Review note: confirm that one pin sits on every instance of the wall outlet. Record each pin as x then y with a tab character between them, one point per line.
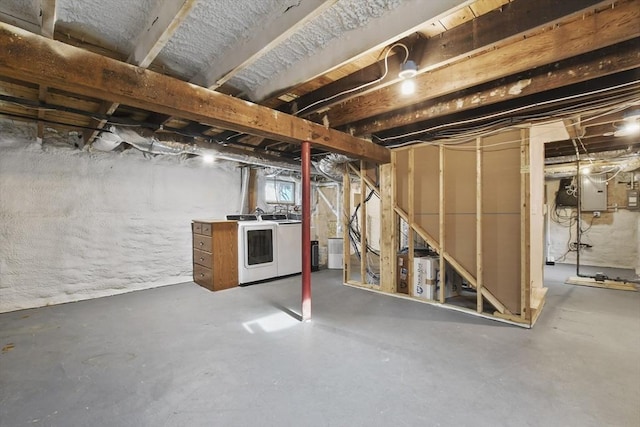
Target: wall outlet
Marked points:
596	214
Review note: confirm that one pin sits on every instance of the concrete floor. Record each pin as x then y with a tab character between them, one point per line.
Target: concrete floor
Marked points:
183	356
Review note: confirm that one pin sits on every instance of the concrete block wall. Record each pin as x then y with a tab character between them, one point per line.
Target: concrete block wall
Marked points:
614	236
76	225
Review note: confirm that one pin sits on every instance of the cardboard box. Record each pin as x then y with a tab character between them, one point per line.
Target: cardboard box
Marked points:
402	279
425	276
453	284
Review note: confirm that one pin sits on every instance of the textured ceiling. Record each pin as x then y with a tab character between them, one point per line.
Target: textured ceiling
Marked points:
22	11
324	61
346	15
212	28
116	23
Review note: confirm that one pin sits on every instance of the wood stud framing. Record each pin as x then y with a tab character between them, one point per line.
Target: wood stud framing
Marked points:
395	200
29	57
479	273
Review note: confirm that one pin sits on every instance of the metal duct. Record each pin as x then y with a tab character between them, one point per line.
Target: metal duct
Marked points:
108	141
333	166
624	164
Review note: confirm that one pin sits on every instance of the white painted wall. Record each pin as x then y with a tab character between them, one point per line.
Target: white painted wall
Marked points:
76	225
614	245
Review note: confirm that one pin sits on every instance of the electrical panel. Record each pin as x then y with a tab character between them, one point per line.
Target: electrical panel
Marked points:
632	200
593	193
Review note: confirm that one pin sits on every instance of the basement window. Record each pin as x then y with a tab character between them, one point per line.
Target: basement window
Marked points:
280	192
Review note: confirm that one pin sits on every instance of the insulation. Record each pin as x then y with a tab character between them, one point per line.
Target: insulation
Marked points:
77	225
96	17
333	24
25	11
212	28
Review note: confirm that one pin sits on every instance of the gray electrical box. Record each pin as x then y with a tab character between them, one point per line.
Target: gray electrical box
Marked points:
632	200
593	193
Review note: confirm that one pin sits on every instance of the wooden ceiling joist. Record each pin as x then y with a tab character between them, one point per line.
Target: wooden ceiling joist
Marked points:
487	31
47	29
29	57
246	52
164	20
580	36
611	60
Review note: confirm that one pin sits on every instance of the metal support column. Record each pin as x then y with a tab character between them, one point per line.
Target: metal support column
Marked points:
306	231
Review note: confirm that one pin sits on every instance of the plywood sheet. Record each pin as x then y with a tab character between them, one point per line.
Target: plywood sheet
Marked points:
501	244
427	189
501	258
460	204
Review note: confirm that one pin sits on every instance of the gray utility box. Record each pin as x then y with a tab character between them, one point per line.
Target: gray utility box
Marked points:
593	193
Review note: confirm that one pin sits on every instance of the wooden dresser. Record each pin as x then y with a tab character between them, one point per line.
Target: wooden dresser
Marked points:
215	254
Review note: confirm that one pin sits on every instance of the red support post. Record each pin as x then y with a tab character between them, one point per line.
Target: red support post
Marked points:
306	231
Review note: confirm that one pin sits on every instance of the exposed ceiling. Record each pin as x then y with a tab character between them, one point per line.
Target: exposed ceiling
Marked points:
481	65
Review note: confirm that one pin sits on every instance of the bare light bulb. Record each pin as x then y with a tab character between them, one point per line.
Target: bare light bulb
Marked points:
408	87
631	128
208	158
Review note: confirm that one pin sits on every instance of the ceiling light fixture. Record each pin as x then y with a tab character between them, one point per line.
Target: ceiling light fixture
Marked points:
630	124
208	158
408	70
408	87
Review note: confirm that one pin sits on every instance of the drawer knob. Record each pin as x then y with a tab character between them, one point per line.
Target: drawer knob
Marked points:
201	259
201	243
202	274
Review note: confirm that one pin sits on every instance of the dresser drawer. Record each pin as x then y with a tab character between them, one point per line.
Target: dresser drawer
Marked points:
196	227
203	276
202	258
202	242
206	229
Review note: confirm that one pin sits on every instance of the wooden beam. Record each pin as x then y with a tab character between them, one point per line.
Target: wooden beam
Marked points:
388	244
620	57
346	233
47	29
364	262
396	23
578	37
29	57
47	18
496	28
479	252
162	23
365	178
246	52
410	232
525	208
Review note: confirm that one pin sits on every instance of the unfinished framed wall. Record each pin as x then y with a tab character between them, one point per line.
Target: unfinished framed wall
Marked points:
478	207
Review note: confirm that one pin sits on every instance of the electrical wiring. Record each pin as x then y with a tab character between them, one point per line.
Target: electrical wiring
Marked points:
378	80
355	238
499	125
617	102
